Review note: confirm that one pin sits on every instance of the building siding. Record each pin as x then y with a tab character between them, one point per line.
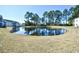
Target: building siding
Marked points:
9	23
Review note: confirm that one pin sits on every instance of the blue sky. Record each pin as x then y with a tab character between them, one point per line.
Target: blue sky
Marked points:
17	12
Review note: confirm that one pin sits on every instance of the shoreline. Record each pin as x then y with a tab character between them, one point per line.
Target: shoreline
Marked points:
68	42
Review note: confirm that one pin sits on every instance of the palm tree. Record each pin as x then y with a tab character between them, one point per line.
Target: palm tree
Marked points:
58	16
45	17
66	14
74	14
51	16
28	16
35	18
71	10
45	14
70	19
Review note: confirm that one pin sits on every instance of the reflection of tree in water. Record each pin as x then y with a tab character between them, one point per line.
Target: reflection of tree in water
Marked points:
43	31
38	31
15	28
29	30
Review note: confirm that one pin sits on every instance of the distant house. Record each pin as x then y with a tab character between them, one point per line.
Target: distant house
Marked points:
8	23
2	22
76	22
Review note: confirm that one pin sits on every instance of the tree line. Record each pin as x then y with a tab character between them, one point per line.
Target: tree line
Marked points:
52	17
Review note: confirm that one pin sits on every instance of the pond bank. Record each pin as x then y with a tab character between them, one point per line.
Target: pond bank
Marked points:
69	42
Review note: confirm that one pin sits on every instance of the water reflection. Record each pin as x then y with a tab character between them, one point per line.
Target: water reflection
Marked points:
45	32
15	29
38	31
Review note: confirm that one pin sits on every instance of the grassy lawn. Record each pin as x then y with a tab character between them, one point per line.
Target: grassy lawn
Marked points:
68	42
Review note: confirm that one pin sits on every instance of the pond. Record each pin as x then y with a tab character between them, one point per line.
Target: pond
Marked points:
39	31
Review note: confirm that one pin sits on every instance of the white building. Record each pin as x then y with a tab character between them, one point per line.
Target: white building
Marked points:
76	22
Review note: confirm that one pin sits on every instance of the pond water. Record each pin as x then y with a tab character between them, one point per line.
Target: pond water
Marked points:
38	31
